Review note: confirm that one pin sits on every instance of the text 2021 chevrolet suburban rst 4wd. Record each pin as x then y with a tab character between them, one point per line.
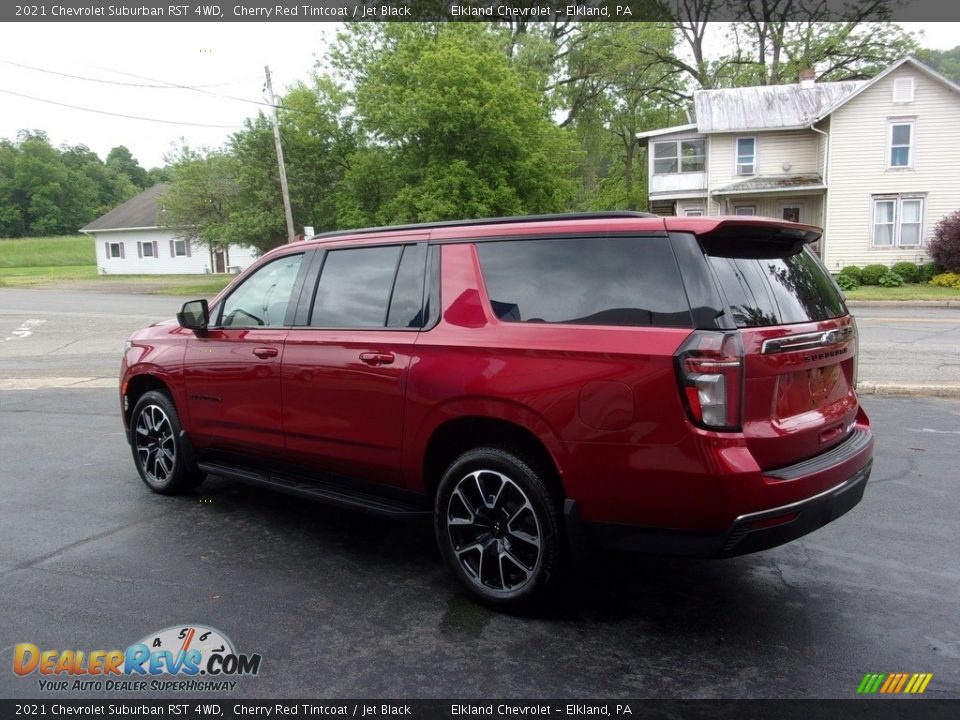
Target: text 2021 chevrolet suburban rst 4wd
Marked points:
672	385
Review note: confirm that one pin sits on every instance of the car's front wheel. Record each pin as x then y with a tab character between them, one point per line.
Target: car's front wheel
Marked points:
498	527
159	450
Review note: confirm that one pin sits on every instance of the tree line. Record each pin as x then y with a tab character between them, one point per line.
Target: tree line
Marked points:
414	122
46	190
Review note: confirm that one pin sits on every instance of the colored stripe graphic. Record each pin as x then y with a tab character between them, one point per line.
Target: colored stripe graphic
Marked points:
894	683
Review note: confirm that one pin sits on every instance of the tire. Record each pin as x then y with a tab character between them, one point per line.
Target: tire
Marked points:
160	452
498	528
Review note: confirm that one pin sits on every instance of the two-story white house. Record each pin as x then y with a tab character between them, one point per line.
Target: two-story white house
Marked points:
872	162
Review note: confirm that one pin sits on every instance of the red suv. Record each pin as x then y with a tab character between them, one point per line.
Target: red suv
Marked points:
539	385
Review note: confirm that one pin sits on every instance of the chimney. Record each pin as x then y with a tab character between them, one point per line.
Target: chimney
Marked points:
807	77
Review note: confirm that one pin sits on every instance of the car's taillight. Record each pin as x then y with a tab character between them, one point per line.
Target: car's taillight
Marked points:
710	371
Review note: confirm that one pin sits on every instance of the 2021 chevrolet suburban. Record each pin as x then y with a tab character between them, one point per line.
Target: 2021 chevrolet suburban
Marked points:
673	385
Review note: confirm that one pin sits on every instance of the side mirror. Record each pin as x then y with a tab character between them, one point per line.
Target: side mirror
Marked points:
194	315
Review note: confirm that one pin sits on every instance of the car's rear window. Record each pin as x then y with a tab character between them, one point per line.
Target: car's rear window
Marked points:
792	288
585	281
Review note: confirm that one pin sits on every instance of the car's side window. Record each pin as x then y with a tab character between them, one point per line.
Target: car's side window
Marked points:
585	281
406	304
371	287
262	299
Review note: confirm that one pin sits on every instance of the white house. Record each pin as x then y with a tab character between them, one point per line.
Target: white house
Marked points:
872	162
130	241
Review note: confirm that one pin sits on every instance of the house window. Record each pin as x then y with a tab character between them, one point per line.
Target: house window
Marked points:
693	212
901	144
692	156
903	90
179	248
897	221
673	156
147	249
115	250
746	156
745	210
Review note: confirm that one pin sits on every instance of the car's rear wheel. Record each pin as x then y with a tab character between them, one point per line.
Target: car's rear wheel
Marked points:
160	451
498	527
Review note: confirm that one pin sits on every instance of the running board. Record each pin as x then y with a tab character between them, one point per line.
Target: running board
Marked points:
319	491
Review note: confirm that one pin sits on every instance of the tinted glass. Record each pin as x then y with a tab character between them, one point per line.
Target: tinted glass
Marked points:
778	290
263	297
355	287
595	281
407	302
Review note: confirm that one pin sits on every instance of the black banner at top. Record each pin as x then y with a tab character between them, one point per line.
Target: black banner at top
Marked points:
472	10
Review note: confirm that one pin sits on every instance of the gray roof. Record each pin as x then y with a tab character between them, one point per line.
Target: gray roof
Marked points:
140	211
773	183
769	107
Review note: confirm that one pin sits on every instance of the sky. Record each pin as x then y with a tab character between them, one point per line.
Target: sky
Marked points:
217	58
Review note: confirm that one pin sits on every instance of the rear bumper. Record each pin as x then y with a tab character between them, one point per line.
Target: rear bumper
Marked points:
748	533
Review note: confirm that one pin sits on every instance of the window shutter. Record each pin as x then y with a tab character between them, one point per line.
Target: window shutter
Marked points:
187	244
173	250
106	247
123	253
156	250
139	249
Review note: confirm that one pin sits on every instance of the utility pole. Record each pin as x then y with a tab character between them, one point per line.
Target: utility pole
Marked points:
282	167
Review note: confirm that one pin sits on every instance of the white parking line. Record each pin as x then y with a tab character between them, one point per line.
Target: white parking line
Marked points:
43	383
25	330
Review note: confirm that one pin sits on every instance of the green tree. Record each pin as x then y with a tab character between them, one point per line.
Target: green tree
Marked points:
202	194
232	196
632	93
121	161
40	185
945	62
455	129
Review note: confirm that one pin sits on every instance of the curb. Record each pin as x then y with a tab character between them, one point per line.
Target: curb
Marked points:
944	390
904	303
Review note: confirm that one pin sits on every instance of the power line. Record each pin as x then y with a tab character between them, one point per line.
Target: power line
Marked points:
167	86
185	87
129	117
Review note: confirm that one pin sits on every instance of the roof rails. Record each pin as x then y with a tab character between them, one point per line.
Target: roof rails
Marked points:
598	215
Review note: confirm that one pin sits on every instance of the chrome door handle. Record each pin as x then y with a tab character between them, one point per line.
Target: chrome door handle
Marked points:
377	358
265	352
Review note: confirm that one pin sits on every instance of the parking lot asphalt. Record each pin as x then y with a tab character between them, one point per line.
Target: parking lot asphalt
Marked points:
346	605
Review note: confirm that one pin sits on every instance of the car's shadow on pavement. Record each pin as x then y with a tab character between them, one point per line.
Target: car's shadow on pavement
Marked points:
692	595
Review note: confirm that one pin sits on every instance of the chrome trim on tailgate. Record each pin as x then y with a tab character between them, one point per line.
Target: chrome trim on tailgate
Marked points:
807	341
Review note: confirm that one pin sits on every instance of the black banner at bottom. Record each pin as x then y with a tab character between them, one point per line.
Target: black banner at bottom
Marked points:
206	709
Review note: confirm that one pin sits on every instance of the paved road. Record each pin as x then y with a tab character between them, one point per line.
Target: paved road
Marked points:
345	605
47	333
81	334
909	345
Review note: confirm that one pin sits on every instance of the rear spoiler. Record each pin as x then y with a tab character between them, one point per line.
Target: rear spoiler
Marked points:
747	236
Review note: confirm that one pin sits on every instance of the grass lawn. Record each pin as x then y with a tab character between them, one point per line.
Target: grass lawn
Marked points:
25	262
916	291
39	274
202	286
67	251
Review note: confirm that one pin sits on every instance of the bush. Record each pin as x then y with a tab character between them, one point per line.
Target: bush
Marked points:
871	274
951	280
847	282
928	270
852	271
909	271
891	279
945	246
